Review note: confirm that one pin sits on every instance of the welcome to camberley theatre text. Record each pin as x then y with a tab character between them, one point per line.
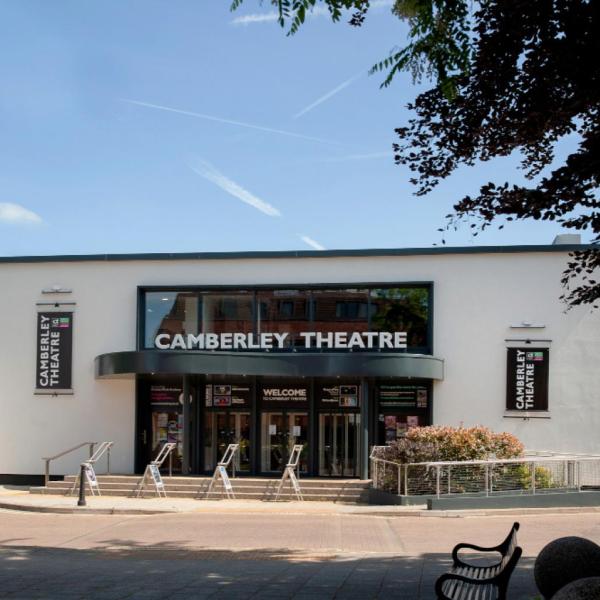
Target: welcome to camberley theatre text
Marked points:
265	341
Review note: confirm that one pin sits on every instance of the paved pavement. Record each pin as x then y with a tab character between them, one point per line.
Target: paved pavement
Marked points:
259	555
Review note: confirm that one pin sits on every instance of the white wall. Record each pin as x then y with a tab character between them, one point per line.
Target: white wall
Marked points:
476	298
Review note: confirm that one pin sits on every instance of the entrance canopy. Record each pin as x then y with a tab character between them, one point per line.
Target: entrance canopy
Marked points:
313	364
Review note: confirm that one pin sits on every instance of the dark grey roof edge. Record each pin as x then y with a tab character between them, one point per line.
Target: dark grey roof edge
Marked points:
297	253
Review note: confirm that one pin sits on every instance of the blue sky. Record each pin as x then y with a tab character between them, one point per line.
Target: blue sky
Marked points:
173	126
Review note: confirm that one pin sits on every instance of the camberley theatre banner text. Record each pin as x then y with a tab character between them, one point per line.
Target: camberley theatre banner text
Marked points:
338	340
527	379
54	352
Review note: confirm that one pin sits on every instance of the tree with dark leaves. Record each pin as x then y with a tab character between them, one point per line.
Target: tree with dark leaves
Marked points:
508	75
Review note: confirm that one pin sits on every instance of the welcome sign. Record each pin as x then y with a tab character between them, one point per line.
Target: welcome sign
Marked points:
54	352
336	340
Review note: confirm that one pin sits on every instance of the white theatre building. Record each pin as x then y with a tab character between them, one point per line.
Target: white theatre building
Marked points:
335	350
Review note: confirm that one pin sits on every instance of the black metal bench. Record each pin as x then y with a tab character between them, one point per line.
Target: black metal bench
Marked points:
480	582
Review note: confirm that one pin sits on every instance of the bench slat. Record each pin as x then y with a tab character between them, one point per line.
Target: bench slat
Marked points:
469	581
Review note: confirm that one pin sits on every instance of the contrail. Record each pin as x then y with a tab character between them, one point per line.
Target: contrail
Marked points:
209	172
228	121
312	243
328	95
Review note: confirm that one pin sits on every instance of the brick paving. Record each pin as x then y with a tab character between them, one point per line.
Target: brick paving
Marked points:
236	556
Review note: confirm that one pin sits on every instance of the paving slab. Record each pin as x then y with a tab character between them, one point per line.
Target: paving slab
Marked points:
255	555
19	498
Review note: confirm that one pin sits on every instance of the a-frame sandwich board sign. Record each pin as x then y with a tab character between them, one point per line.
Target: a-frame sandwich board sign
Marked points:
90	478
289	473
152	472
221	472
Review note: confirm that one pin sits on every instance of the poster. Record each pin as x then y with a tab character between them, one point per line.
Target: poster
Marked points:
221	400
329	395
527	379
390	428
166	397
54	352
227	395
343	396
412	421
402	396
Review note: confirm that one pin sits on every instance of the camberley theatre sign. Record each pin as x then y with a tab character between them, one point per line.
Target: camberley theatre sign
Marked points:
336	340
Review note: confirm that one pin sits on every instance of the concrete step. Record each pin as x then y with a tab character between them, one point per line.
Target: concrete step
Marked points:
218	493
193	491
256	488
238	481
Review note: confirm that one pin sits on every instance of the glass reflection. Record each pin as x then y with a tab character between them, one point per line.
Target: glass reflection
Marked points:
402	309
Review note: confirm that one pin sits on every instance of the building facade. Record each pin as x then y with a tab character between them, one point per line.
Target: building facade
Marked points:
334	350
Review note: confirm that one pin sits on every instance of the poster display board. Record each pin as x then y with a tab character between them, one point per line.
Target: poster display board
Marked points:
54	346
527	379
338	396
225	478
165	396
152	472
90	477
156	476
402	396
227	395
221	472
290	474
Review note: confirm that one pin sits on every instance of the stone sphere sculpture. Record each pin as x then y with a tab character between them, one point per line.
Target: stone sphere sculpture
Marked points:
565	560
587	588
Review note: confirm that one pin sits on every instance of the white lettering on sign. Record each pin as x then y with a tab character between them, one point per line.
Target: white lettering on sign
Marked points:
525	386
285	393
44	378
49	368
337	340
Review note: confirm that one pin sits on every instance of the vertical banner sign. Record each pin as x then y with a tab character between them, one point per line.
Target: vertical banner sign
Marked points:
54	352
527	379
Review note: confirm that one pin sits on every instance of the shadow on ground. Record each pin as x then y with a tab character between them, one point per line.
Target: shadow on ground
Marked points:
128	570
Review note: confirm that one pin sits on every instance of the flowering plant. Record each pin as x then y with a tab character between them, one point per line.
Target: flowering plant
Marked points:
444	443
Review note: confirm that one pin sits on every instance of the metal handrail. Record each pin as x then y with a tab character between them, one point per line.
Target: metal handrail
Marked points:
104	447
451	463
47	459
571	475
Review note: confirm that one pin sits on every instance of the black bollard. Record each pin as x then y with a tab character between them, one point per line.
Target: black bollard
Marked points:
81	501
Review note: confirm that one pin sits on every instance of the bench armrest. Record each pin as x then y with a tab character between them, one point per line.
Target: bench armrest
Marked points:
458	562
503	548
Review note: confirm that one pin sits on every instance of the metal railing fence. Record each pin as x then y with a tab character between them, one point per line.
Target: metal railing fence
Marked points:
528	475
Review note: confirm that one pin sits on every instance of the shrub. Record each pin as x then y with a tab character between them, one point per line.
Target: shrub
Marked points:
441	443
543	477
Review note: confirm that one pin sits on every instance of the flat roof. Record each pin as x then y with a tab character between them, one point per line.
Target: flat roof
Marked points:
257	254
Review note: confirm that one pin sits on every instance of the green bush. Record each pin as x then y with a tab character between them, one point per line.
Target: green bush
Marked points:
437	443
543	477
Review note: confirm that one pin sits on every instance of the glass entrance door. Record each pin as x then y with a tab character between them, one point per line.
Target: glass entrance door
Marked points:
339	439
222	429
279	432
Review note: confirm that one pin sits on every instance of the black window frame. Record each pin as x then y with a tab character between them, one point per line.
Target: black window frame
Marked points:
255	289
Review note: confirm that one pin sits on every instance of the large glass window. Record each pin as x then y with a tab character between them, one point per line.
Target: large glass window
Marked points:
322	312
402	309
170	312
344	310
284	311
227	312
